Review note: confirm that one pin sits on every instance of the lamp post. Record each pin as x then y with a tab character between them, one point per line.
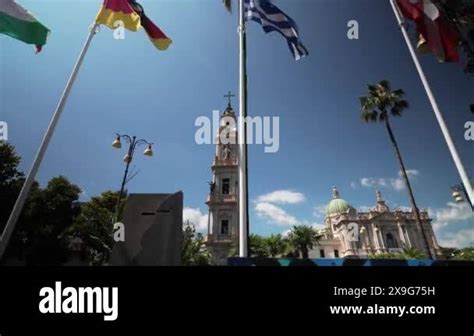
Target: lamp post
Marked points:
133	143
458	191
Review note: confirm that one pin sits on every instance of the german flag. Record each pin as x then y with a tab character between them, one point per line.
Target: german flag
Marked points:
156	35
132	15
114	11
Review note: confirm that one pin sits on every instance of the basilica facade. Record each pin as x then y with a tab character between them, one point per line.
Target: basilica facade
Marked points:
352	233
348	233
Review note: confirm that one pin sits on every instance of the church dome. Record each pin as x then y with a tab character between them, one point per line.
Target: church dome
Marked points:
337	204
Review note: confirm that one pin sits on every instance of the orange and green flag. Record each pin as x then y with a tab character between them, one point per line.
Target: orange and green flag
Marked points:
132	16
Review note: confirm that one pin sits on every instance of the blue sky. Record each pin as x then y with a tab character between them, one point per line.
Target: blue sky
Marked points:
127	86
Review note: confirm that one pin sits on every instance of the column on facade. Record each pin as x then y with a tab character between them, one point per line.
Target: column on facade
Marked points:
401	234
369	247
407	235
382	242
209	223
375	236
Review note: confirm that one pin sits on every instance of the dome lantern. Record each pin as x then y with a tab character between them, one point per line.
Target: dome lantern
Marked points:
337	204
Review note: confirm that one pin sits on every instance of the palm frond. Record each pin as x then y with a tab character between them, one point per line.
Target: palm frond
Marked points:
370	115
385	84
228	4
398	107
395	111
403	104
363	101
380	101
372	89
400	93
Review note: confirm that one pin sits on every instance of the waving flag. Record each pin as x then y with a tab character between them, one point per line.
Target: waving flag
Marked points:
17	22
156	35
114	11
436	33
132	15
271	18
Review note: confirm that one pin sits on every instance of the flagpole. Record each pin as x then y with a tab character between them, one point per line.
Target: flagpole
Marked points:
25	190
439	116
243	176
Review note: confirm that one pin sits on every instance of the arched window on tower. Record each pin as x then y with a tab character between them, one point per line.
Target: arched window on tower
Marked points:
391	242
225	227
225	186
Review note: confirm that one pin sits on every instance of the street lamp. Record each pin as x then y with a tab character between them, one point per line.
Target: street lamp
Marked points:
133	144
458	191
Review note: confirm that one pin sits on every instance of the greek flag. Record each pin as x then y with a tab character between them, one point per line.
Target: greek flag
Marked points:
273	19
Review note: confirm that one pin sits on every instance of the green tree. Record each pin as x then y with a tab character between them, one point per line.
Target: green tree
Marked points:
407	253
195	252
447	252
257	246
11	180
411	253
37	237
48	213
466	253
383	255
276	245
303	238
94	225
379	105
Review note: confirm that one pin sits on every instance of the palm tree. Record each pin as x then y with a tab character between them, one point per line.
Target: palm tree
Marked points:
378	106
411	253
257	246
276	245
303	238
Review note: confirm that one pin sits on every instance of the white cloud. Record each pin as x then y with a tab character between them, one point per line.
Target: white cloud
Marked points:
367	182
405	208
282	197
275	213
451	215
269	207
448	225
370	182
410	172
459	239
286	233
396	183
319	211
318	226
196	217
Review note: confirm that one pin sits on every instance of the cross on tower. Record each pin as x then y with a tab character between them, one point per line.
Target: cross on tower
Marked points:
229	96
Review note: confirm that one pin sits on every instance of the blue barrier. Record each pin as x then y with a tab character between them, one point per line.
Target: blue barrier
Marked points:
343	262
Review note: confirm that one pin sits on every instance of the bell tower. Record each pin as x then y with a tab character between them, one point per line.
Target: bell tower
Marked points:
222	201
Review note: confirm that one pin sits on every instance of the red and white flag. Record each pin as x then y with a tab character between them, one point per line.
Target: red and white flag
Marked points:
440	38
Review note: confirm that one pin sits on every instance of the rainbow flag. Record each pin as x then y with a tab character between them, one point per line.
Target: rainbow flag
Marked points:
17	22
133	17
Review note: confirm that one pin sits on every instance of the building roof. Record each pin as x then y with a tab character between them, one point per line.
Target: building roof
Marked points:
337	205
